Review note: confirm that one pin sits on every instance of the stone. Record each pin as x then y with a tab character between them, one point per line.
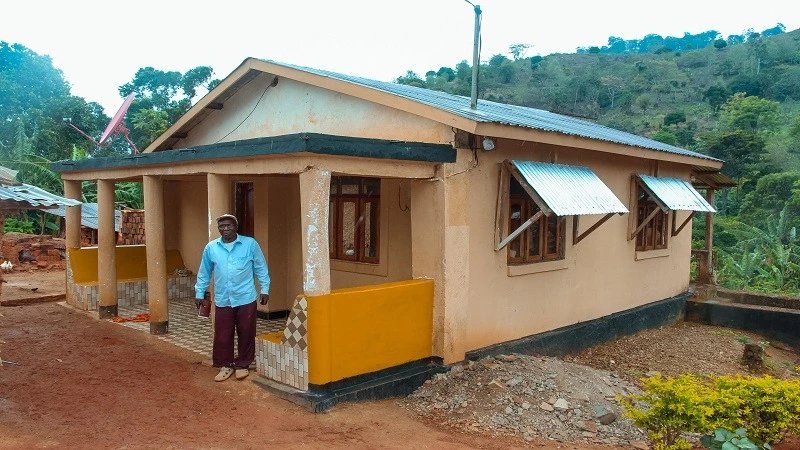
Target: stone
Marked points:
607	418
456	369
580	397
497	383
509	410
561	404
588	425
546	407
526	406
640	445
551	400
508	358
41	264
652	373
513	382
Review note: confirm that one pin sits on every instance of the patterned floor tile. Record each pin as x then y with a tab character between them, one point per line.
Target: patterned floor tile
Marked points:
186	328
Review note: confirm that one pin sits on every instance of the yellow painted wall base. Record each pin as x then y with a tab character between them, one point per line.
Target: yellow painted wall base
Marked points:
131	263
361	330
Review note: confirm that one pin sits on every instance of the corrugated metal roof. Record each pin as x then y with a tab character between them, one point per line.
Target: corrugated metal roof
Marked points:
88	215
26	194
570	190
676	194
714	180
504	114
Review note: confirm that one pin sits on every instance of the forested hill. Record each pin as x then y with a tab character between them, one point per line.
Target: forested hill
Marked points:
736	98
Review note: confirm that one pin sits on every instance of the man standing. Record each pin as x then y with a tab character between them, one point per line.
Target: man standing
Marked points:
233	259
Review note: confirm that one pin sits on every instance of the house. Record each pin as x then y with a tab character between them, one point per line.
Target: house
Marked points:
405	230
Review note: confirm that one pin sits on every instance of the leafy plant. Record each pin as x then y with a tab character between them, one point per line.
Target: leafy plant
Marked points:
19	226
723	439
769	408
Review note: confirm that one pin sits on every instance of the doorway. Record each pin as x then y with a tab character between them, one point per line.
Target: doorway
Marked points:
244	207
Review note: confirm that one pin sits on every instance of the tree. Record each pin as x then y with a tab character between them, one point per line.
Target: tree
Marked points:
447	73
674	118
613	85
157	91
497	60
716	96
666	137
35	96
411	78
749	113
518	50
719	44
773	193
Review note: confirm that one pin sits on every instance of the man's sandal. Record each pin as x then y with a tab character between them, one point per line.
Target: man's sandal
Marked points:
241	374
224	374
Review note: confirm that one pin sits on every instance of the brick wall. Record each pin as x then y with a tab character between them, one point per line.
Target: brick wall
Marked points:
131	227
20	247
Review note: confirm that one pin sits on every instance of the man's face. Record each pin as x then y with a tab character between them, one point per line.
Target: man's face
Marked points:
227	228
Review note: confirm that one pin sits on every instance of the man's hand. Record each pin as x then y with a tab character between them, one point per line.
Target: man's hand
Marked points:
198	302
264	299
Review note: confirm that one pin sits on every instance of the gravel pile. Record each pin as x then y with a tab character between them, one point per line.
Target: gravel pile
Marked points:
532	397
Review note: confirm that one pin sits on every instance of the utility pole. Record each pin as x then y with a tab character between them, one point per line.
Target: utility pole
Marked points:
476	56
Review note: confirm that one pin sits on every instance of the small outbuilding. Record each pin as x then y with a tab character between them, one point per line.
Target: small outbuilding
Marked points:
405	230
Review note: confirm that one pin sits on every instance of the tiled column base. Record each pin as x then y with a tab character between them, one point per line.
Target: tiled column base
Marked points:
287	362
129	293
282	363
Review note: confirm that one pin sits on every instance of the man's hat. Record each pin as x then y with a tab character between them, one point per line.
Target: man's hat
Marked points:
229	216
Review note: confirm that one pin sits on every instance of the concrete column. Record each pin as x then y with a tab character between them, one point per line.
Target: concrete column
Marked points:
440	251
72	190
106	250
220	199
705	267
314	204
153	187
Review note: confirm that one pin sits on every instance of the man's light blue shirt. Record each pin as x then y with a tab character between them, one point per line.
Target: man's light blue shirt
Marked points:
233	272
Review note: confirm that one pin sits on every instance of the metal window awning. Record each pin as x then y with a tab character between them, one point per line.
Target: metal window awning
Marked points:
674	194
671	194
25	196
560	190
568	190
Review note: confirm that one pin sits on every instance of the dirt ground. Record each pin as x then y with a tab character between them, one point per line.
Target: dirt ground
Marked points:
32	283
85	383
713	350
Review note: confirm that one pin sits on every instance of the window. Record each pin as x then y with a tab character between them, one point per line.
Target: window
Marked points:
654	235
543	240
355	219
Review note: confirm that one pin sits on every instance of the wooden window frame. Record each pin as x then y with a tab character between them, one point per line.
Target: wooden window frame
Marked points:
360	200
646	238
529	208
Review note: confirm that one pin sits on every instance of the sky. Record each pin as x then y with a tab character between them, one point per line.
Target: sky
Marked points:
99	46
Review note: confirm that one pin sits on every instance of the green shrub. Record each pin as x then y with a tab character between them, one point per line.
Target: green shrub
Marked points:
19	226
767	407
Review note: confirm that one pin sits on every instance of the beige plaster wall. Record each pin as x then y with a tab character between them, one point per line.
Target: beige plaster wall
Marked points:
294	107
191	218
171	228
395	243
602	275
284	245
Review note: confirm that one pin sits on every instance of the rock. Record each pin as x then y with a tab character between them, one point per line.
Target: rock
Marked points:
513	382
526	406
456	369
607	418
41	264
640	445
599	410
508	358
652	373
561	404
546	407
588	425
551	400
581	397
497	383
588	434
509	410
469	365
500	420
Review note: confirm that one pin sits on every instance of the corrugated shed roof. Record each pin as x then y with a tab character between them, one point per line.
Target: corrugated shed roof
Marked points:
570	190
504	114
676	194
25	194
88	215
